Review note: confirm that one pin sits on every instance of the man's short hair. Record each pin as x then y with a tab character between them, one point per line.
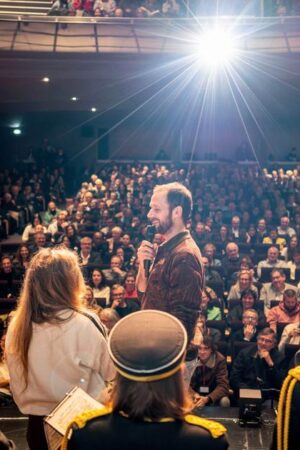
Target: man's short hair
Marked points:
178	195
267	332
253	311
290	293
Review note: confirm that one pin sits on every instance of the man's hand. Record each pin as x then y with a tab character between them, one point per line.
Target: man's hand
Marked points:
264	354
294	332
199	401
248	332
146	251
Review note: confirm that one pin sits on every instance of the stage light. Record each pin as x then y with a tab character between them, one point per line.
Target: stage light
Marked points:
45	79
217	47
93	109
17	131
74	99
15	125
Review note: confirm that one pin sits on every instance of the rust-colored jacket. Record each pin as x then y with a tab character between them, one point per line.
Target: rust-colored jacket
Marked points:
176	280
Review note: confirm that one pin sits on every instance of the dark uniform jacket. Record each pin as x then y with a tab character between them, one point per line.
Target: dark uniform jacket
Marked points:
115	432
176	281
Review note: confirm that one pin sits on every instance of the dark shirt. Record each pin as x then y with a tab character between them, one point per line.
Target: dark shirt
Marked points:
176	280
252	372
114	432
131	306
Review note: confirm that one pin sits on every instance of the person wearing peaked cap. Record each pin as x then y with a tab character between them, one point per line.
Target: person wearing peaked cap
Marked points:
150	406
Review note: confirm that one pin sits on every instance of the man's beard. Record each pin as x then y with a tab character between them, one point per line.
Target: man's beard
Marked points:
165	226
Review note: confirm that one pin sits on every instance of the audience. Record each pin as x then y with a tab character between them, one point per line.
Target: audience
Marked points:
106	220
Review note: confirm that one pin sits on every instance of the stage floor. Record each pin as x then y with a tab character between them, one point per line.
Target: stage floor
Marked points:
14	426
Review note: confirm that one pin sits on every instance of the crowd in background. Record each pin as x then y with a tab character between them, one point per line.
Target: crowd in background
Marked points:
245	221
168	8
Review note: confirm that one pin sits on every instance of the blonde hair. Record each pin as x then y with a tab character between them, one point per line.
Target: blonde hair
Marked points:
53	283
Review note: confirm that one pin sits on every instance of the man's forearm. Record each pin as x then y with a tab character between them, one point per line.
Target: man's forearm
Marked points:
141	281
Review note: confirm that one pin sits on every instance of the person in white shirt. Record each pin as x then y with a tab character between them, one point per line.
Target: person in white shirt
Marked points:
53	343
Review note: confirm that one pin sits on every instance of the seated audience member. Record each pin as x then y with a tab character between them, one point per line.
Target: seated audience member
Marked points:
288	311
221	237
86	255
71	233
210	252
210	305
210	275
284	230
58	226
114	275
129	285
272	261
275	289
200	234
99	286
209	382
109	317
261	231
146	391
202	330
51	213
115	241
274	239
259	366
121	305
294	263
90	302
129	250
236	233
290	335
48	328
244	282
170	8
248	301
231	261
288	252
248	332
286	431
149	8
99	245
39	242
6	398
22	259
31	228
7	275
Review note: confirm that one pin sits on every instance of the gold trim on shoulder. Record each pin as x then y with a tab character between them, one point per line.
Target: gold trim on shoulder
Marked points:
216	429
81	420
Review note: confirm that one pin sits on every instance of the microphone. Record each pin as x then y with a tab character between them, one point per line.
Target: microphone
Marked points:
150	232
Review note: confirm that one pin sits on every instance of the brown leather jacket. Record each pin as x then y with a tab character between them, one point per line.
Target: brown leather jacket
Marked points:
176	280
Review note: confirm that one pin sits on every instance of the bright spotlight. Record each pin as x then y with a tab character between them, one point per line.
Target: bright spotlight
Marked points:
74	99
17	131
93	109
216	47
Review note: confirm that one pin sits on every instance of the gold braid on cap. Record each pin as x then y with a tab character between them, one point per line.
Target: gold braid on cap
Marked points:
284	408
149	378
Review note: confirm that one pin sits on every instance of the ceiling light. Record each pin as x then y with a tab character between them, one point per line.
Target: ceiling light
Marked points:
46	79
74	99
93	109
17	131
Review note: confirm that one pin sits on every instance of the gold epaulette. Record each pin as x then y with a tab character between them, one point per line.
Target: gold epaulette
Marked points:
295	373
216	429
81	420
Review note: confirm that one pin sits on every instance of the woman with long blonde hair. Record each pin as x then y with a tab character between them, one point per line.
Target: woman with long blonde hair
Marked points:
52	343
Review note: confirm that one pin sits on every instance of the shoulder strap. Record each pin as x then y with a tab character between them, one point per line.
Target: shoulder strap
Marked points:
98	325
216	429
81	420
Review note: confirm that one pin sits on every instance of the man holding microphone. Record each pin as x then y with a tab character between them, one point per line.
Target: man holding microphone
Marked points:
175	280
